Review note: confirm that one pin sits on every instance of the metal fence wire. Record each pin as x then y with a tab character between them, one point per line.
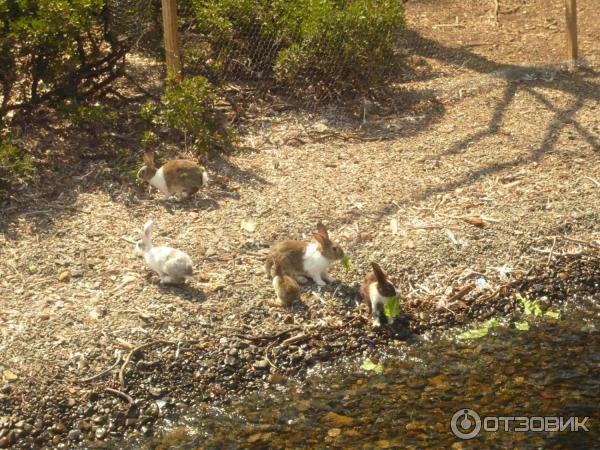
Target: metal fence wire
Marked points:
236	42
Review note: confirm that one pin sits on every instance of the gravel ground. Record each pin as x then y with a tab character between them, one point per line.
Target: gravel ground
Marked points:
463	195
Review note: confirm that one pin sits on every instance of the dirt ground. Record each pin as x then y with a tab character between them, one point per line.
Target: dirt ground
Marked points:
479	178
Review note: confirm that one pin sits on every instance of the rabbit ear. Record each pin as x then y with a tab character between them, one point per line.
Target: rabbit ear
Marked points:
322	230
147	231
379	273
321	239
149	158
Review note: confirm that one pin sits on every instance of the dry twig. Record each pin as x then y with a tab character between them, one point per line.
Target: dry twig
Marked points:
103	373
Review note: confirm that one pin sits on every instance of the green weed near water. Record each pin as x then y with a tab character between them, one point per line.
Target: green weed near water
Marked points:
532	308
369	365
478	332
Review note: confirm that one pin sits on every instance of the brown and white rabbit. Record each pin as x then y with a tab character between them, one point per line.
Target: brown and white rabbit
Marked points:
286	288
303	260
179	175
376	291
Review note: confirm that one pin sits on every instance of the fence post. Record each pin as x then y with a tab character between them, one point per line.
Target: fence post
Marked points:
169	14
571	15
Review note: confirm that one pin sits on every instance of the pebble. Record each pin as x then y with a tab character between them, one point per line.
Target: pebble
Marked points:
262	364
100	433
74	435
3	442
56	439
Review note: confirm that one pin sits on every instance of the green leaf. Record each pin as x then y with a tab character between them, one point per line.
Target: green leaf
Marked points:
522	326
371	366
531	307
552	314
249	225
392	307
476	333
346	263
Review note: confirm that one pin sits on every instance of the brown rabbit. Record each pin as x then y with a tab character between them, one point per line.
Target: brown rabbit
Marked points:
303	260
286	288
375	291
179	175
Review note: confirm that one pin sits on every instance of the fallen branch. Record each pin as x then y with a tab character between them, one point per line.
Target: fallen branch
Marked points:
103	373
266	337
126	239
461	293
139	348
120	394
579	241
295	339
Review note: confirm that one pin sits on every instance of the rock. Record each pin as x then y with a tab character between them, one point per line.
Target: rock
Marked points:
64	276
56	439
276	378
231	361
10	375
262	364
74	435
6	389
3	442
338	419
100	433
155	391
334	432
383	443
60	428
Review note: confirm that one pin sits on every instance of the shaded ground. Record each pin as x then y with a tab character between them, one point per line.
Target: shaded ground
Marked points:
520	152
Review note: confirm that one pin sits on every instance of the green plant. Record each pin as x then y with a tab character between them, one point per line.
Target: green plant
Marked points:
392	307
369	365
330	45
346	263
342	45
56	48
14	164
190	108
478	332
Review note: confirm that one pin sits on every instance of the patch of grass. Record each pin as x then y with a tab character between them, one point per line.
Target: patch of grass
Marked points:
369	365
478	332
15	164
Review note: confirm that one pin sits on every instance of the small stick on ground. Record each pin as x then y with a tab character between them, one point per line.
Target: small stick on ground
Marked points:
551	250
266	337
137	349
120	394
267	356
103	373
461	293
579	241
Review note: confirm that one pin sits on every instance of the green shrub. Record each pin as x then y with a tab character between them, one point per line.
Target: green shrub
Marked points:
14	164
55	48
337	45
342	47
190	107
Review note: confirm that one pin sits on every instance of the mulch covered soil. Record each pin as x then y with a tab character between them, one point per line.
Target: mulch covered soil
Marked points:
465	196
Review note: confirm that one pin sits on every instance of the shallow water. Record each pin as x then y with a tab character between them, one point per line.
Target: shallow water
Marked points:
553	369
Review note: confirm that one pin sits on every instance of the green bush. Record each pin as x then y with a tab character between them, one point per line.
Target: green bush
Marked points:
342	46
337	45
190	107
14	164
55	48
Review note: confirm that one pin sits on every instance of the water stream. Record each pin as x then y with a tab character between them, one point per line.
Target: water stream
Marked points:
552	369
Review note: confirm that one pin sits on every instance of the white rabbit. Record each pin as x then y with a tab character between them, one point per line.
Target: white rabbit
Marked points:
172	265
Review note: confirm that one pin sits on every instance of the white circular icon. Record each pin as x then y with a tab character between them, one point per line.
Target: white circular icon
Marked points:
464	420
